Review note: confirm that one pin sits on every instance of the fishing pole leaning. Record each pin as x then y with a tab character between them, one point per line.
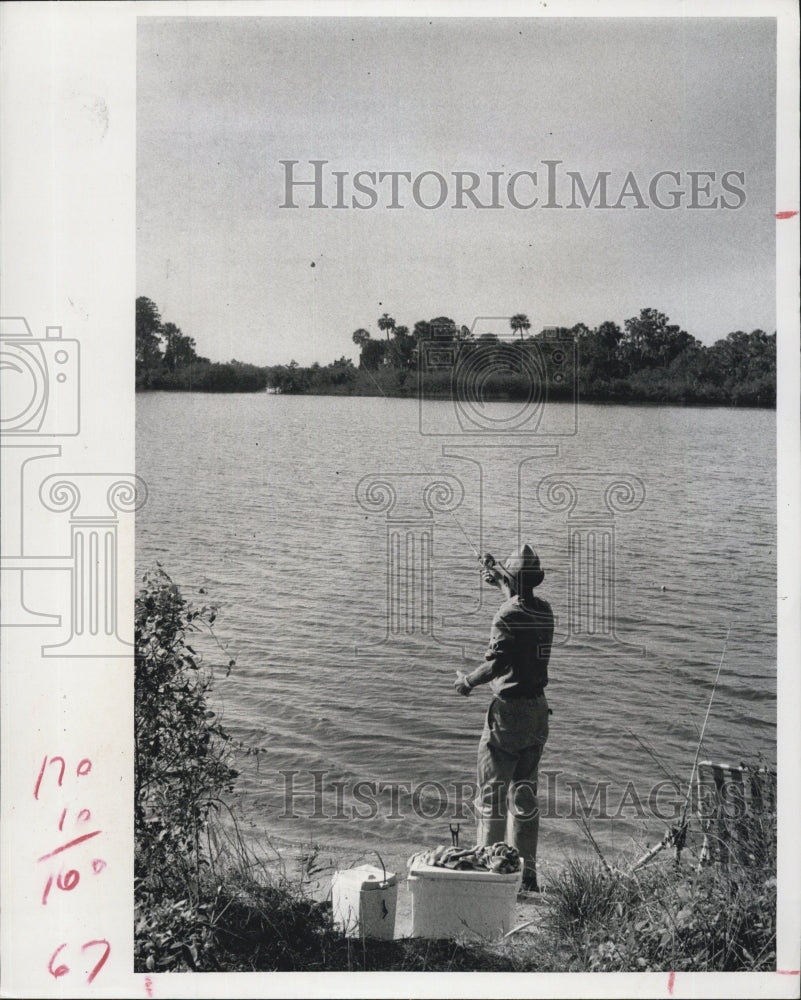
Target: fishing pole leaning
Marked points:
703	728
677	835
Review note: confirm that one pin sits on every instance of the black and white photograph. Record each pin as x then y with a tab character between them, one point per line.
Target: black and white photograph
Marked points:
439	537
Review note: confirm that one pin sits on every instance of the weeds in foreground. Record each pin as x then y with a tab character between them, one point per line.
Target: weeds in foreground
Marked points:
664	918
249	916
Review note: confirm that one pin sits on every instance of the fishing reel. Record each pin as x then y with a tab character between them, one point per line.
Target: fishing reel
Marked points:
492	573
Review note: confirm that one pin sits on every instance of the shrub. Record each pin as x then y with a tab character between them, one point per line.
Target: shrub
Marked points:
181	749
584	895
170	935
205	376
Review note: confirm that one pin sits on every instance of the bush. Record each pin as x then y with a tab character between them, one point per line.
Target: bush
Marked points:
170	935
584	896
181	750
208	377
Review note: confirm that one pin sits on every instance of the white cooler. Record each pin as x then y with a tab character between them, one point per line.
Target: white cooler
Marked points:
364	900
447	903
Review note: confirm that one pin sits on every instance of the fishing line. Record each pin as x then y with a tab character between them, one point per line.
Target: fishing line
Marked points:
419	460
466	536
676	835
703	728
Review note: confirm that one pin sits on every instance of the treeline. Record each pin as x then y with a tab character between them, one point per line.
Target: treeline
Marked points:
166	359
339	378
649	359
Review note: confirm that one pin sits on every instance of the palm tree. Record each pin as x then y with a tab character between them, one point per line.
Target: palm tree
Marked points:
360	337
386	323
520	322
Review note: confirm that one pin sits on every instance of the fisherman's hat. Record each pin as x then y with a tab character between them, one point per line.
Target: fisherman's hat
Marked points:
523	568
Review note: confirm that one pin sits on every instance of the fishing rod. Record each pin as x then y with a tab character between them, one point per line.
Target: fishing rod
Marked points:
677	834
703	728
489	562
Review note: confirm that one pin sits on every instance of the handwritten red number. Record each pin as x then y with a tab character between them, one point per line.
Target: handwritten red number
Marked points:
38	784
68	880
39	779
56	971
103	957
60	970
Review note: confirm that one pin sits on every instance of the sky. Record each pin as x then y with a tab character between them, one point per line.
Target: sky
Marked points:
221	102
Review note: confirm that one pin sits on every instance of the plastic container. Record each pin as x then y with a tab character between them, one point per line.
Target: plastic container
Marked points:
364	901
471	905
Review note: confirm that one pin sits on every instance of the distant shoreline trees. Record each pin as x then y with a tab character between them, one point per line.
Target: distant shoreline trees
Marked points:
166	358
649	359
520	322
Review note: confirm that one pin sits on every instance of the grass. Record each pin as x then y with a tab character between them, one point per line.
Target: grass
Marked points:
665	919
246	913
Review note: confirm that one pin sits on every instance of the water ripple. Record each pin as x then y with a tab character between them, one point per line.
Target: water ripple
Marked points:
253	499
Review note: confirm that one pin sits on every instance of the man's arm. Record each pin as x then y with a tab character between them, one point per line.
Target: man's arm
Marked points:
497	657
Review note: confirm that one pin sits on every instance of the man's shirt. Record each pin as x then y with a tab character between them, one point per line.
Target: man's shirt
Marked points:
516	661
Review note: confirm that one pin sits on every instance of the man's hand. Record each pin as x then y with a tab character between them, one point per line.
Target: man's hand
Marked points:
490	574
461	685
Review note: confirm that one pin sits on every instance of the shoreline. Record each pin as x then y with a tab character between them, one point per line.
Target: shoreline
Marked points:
489	398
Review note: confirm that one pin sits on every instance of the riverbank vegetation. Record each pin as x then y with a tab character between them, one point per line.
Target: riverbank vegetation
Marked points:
166	358
205	900
648	360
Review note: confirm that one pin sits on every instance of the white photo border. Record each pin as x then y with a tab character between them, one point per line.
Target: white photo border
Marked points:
68	231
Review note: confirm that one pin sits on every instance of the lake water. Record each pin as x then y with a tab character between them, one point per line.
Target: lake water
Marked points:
257	499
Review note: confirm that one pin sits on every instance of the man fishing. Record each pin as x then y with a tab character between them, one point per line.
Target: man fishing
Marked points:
516	725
